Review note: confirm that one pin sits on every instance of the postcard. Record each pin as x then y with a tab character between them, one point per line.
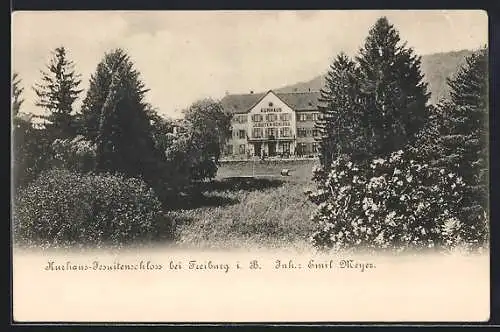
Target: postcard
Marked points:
283	166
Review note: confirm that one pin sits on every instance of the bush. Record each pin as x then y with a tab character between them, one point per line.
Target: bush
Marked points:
31	152
62	208
205	169
388	204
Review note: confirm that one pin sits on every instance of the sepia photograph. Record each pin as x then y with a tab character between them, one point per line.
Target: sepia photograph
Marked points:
320	162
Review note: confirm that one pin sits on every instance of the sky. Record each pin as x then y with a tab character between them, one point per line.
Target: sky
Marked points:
184	56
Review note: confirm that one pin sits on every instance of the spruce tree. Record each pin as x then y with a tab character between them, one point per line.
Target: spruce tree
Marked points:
393	93
465	139
116	117
57	92
19	129
340	124
16	96
30	146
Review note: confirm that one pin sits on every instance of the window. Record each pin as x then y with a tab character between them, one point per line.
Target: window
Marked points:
257	118
285	132
309	117
271	117
315	147
242	149
239	118
302	117
242	133
229	149
301	148
271	132
235	133
302	132
315	132
285	117
315	116
257	132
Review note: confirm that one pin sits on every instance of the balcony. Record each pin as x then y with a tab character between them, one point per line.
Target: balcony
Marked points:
271	138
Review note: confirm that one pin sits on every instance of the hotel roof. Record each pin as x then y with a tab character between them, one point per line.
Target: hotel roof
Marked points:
298	101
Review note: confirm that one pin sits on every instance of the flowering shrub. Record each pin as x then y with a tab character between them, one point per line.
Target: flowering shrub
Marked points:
61	208
75	154
393	203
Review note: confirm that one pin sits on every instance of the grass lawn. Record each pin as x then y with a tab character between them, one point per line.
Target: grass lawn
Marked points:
250	206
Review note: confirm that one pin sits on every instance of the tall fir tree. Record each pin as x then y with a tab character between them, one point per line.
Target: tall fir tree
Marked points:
19	129
17	90
30	146
57	92
393	92
116	117
341	120
465	139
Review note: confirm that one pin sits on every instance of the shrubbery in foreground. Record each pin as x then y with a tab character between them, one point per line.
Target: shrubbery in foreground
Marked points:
393	203
61	208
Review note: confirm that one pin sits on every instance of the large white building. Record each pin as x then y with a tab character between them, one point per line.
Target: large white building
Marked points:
272	124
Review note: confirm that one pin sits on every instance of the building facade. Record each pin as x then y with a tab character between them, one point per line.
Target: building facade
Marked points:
272	124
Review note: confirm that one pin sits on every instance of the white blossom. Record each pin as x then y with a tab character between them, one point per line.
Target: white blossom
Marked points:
376	182
391	215
380	238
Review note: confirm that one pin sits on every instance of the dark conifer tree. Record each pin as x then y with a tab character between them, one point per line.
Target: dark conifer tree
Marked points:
465	138
17	91
57	92
116	117
394	95
31	146
340	123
